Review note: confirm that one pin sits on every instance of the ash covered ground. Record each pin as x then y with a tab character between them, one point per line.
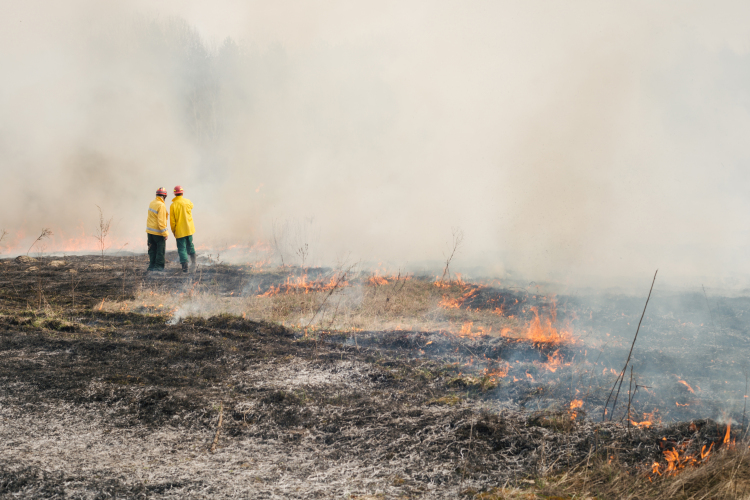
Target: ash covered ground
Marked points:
101	403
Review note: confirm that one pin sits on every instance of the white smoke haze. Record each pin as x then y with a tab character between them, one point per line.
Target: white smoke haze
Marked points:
582	142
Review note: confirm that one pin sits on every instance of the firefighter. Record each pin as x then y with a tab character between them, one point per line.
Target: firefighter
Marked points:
181	219
156	231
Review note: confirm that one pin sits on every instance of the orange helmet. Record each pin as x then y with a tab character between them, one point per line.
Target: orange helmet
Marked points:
161	192
178	190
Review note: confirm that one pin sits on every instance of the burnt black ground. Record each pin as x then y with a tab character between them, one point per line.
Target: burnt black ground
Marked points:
97	405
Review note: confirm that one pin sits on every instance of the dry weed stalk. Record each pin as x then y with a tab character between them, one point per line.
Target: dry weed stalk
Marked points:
218	428
303	251
341	278
102	231
458	238
725	476
73	285
46	233
277	234
621	377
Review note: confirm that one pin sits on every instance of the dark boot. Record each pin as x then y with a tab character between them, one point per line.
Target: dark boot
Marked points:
184	267
193	262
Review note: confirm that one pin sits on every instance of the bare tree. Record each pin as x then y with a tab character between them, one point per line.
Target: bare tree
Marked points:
102	231
46	233
458	238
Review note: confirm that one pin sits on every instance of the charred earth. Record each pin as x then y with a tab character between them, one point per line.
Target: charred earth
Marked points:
108	392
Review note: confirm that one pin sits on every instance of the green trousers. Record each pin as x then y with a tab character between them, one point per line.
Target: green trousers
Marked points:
157	245
185	247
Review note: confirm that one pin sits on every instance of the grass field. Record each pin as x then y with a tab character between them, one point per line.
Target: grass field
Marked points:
289	383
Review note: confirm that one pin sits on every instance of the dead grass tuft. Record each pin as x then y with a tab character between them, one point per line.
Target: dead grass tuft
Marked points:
404	303
726	476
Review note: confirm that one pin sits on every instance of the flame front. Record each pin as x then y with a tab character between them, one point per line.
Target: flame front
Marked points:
543	330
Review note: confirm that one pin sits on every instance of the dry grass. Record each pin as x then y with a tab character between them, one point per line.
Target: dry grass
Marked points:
411	304
726	476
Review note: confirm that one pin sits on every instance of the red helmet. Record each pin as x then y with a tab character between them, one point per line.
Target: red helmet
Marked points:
161	192
178	190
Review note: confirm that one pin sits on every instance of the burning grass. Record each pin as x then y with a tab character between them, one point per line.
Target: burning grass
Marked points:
399	387
354	303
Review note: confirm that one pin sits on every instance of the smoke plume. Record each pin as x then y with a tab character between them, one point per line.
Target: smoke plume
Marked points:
582	142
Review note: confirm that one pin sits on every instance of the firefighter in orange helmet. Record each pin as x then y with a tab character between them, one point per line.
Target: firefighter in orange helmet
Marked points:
156	231
181	220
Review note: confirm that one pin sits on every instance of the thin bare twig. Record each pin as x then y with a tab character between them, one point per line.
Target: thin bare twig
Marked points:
458	238
621	377
46	233
218	429
630	394
342	276
278	234
744	409
102	231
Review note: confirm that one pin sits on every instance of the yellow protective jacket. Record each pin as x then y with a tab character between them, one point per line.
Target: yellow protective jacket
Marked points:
157	217
181	217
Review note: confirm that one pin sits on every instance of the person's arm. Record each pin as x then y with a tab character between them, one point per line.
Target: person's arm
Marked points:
172	222
162	216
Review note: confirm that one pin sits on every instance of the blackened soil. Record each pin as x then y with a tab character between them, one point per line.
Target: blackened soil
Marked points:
97	405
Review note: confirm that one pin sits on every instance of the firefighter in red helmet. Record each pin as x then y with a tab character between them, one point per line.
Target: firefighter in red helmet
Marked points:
156	231
181	220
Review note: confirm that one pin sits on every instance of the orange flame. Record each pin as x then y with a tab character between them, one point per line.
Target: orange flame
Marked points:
301	285
467	332
497	373
554	361
726	436
641	425
449	303
376	280
688	386
678	459
544	330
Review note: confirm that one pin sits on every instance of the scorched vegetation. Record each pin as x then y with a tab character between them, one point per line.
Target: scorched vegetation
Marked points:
285	382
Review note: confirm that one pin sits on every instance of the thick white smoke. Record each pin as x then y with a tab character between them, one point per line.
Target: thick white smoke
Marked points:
578	141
